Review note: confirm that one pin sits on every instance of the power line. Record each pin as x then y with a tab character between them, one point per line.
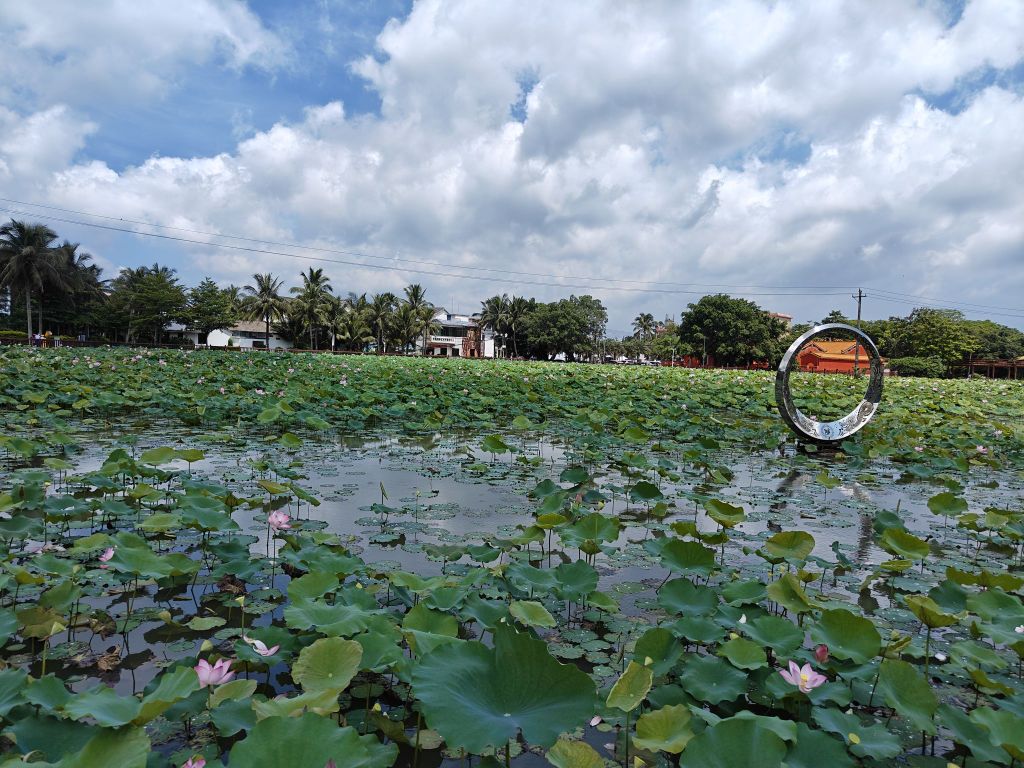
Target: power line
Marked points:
389	268
917	297
393	258
611	284
918	303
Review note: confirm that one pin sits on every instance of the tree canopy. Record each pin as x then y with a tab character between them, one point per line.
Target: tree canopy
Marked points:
732	331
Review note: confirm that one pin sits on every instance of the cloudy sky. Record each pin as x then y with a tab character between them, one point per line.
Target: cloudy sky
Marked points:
644	152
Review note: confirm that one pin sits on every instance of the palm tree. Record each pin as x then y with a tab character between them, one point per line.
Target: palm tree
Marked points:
379	313
406	325
263	301
643	325
353	328
517	309
494	314
423	310
311	301
235	297
28	262
83	283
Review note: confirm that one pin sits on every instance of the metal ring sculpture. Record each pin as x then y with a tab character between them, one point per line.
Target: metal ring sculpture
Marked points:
829	431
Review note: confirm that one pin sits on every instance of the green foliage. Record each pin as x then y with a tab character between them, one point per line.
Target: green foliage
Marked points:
210	307
928	367
732	331
695	614
478	697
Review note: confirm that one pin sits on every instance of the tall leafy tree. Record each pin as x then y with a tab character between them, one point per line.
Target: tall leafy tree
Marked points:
263	301
733	331
29	262
595	318
938	333
558	327
210	307
145	300
993	340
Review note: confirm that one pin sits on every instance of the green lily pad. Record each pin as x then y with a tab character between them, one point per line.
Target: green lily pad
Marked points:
847	636
743	653
906	690
309	741
631	688
666	729
479	697
329	664
734	742
573	754
531	614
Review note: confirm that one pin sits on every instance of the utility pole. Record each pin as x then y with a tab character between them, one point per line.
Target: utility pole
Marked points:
859	296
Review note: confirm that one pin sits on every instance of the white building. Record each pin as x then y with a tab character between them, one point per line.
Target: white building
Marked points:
459	336
245	334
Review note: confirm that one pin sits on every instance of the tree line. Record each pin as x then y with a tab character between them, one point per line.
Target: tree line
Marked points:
54	285
737	332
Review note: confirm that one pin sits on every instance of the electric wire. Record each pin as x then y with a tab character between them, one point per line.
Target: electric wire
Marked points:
590	286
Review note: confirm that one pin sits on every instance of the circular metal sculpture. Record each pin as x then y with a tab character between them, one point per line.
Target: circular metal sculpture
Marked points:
828	431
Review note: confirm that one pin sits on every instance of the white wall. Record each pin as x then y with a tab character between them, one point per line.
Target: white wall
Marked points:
220	338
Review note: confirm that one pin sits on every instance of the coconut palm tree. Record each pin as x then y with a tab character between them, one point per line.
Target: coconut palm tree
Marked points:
353	328
643	325
29	262
83	285
517	309
406	325
494	314
264	301
311	300
379	314
423	310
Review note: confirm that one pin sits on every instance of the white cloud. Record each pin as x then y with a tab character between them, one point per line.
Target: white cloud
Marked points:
84	53
40	144
654	147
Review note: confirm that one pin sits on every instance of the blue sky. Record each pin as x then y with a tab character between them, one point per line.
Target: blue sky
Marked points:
646	153
212	108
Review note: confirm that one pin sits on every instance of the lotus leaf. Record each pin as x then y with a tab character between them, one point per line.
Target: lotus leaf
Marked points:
478	697
631	688
309	741
573	754
329	664
734	742
847	635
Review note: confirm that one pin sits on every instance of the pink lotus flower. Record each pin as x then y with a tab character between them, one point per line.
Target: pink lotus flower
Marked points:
214	674
260	647
278	521
982	449
919	448
108	553
821	654
194	762
804	678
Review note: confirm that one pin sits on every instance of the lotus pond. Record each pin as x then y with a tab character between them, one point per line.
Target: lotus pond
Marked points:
218	558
